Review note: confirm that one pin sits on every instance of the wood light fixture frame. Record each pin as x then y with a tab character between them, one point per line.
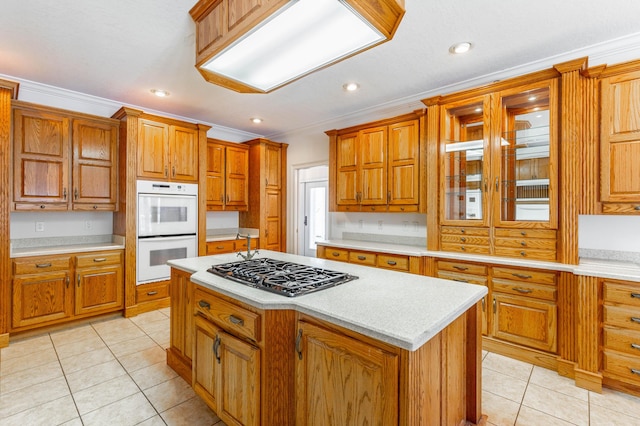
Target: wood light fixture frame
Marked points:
221	23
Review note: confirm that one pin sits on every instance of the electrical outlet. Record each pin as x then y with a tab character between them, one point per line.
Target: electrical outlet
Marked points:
415	226
88	224
39	226
380	225
405	224
361	224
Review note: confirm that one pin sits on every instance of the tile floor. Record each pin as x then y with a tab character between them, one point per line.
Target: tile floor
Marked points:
112	372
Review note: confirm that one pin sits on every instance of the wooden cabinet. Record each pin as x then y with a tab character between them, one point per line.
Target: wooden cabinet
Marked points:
63	160
396	262
52	289
41	290
230	246
167	151
99	283
620	143
621	334
498	172
341	380
267	193
376	167
179	353
227	176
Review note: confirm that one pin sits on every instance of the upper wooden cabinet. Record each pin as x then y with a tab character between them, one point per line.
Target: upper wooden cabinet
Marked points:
620	143
167	151
498	171
377	167
227	176
267	193
63	160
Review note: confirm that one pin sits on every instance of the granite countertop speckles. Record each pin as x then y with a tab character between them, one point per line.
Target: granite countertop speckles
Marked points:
402	309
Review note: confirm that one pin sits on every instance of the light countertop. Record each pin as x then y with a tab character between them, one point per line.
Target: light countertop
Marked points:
402	309
224	234
63	245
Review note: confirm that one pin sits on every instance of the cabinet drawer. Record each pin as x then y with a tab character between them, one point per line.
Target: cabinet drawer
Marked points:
98	259
336	254
628	318
36	265
465	239
152	291
528	253
527	243
622	340
465	268
233	318
362	258
525	275
526	233
524	289
628	294
463	278
621	208
241	245
461	230
624	366
391	261
219	247
465	248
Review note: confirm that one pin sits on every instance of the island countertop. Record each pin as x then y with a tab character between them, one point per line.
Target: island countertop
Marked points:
401	309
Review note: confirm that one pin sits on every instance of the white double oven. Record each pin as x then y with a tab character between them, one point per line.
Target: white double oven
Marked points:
167	224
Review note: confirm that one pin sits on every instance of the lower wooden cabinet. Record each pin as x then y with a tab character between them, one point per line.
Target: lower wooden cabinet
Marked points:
341	380
52	289
230	246
226	374
396	262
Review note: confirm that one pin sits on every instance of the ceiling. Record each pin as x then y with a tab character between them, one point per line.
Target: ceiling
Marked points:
120	49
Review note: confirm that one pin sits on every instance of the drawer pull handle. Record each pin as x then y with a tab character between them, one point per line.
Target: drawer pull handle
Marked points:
216	347
362	257
219	247
460	280
100	259
636	208
635	371
235	320
43	265
462	248
391	262
522	290
462	231
299	343
523	243
152	293
635	295
335	254
523	276
635	319
483	304
205	305
635	346
460	268
523	253
523	233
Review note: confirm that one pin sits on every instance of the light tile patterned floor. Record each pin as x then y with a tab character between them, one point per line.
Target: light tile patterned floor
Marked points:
113	372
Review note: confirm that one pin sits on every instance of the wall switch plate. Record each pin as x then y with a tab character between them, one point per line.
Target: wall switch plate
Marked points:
88	224
39	226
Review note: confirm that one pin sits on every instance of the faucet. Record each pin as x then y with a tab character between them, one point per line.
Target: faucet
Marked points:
249	254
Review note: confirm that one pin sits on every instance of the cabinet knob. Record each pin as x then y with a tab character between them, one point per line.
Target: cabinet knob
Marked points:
636	208
463	239
95	207
635	295
523	253
42	206
523	243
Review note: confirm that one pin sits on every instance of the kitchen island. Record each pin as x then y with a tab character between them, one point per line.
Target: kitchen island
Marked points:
386	348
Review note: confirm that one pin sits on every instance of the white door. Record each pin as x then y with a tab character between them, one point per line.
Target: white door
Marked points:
314	199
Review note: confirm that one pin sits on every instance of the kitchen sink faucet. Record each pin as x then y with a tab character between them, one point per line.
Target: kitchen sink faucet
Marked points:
249	254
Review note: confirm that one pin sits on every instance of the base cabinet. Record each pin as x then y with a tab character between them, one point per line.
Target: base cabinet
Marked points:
99	285
340	380
396	262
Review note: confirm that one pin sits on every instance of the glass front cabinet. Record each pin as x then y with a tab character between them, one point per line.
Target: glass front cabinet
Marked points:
498	181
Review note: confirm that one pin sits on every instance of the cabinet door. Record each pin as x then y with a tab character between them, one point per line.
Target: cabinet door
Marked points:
99	289
153	150
620	141
465	162
238	383
347	190
183	147
341	380
181	312
94	165
525	321
273	166
205	362
526	150
215	176
41	160
237	178
273	221
403	163
40	298
373	165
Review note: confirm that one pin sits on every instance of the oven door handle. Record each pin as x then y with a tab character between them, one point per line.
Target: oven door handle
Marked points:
168	237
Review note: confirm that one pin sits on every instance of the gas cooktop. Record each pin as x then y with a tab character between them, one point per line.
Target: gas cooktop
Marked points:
277	276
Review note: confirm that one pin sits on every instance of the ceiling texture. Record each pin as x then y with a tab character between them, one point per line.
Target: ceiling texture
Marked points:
120	49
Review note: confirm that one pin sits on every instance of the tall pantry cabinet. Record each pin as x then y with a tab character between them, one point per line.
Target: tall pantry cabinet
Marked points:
267	193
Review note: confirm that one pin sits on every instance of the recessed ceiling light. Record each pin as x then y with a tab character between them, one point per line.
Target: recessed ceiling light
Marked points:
160	93
256	120
463	47
351	87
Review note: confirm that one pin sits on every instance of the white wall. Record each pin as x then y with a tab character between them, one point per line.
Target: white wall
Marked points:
60	224
610	232
220	220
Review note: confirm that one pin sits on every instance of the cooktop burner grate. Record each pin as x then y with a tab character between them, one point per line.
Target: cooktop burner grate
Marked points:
281	277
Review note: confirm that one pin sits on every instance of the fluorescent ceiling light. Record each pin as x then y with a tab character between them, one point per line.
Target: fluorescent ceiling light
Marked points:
300	38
